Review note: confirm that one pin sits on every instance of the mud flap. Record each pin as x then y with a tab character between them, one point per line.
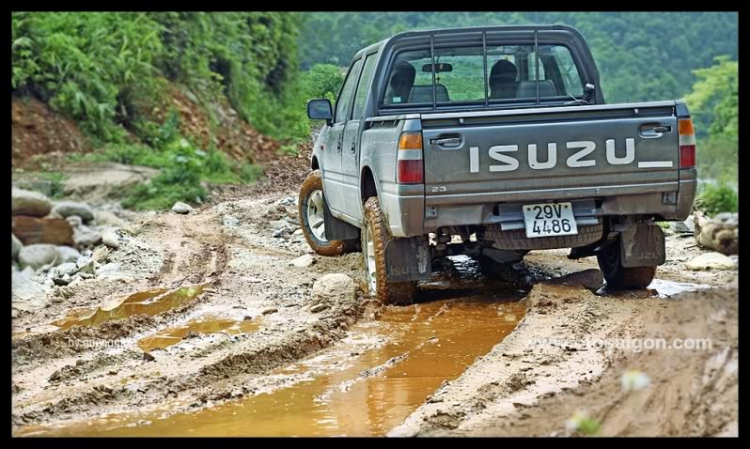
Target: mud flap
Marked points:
408	259
337	229
642	245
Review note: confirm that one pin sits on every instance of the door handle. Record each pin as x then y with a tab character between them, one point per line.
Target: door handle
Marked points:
447	140
354	147
652	130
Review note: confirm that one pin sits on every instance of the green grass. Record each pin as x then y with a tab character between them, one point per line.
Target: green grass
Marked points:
716	198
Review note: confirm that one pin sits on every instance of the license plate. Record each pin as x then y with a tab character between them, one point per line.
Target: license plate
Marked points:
549	219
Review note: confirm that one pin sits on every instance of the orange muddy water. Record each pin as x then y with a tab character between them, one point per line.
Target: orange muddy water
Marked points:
353	388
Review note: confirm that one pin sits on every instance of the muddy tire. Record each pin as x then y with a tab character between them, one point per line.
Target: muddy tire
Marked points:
375	235
619	277
310	211
516	239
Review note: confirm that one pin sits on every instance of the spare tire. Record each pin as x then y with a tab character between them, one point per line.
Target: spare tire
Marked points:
516	239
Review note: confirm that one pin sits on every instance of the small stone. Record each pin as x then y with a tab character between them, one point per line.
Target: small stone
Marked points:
709	261
318	308
67	268
107	218
68	208
108	269
111	239
85	237
74	220
303	261
67	254
181	208
270	311
297	232
231	221
335	286
148	357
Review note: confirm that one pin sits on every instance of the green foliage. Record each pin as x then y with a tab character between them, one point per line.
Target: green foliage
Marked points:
95	66
82	62
717	198
714	99
323	81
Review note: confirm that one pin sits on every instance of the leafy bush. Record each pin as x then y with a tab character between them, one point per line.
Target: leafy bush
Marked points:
322	81
717	198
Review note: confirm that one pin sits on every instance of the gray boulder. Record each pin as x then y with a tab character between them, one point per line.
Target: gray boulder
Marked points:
85	237
36	256
27	294
67	254
111	239
74	221
107	218
26	202
67	208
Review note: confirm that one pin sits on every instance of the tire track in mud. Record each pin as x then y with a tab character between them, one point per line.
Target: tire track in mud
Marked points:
79	383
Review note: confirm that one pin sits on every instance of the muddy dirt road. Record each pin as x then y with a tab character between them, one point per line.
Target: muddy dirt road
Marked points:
207	329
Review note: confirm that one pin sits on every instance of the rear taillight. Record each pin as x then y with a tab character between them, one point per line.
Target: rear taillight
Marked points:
409	166
687	143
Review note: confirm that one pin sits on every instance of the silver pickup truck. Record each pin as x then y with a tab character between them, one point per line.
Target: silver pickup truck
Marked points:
492	142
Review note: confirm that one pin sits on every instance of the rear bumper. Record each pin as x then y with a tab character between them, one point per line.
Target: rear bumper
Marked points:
412	215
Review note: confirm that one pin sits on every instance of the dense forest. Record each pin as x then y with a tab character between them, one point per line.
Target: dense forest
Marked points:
119	76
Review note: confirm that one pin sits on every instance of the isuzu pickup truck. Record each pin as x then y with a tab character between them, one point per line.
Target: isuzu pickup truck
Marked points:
492	142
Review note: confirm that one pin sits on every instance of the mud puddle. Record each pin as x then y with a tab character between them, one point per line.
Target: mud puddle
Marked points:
667	289
364	386
150	302
204	325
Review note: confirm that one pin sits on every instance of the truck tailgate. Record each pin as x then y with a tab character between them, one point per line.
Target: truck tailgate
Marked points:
473	157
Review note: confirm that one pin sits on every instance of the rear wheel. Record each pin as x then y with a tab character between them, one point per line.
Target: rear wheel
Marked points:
619	277
375	236
312	219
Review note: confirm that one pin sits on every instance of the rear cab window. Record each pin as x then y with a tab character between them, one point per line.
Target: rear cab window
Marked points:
344	103
488	75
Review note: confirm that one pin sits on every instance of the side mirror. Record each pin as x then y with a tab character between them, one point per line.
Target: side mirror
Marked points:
320	109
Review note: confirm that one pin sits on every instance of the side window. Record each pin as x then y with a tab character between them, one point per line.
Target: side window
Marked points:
361	96
343	105
568	71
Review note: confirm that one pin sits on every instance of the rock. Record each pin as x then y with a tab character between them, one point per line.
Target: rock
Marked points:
27	294
32	230
303	261
100	254
277	233
67	268
336	287
318	308
231	221
36	256
67	254
16	247
270	311
74	220
297	232
591	279
684	227
33	204
720	233
85	237
109	269
148	357
107	218
111	239
67	208
709	261
181	208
